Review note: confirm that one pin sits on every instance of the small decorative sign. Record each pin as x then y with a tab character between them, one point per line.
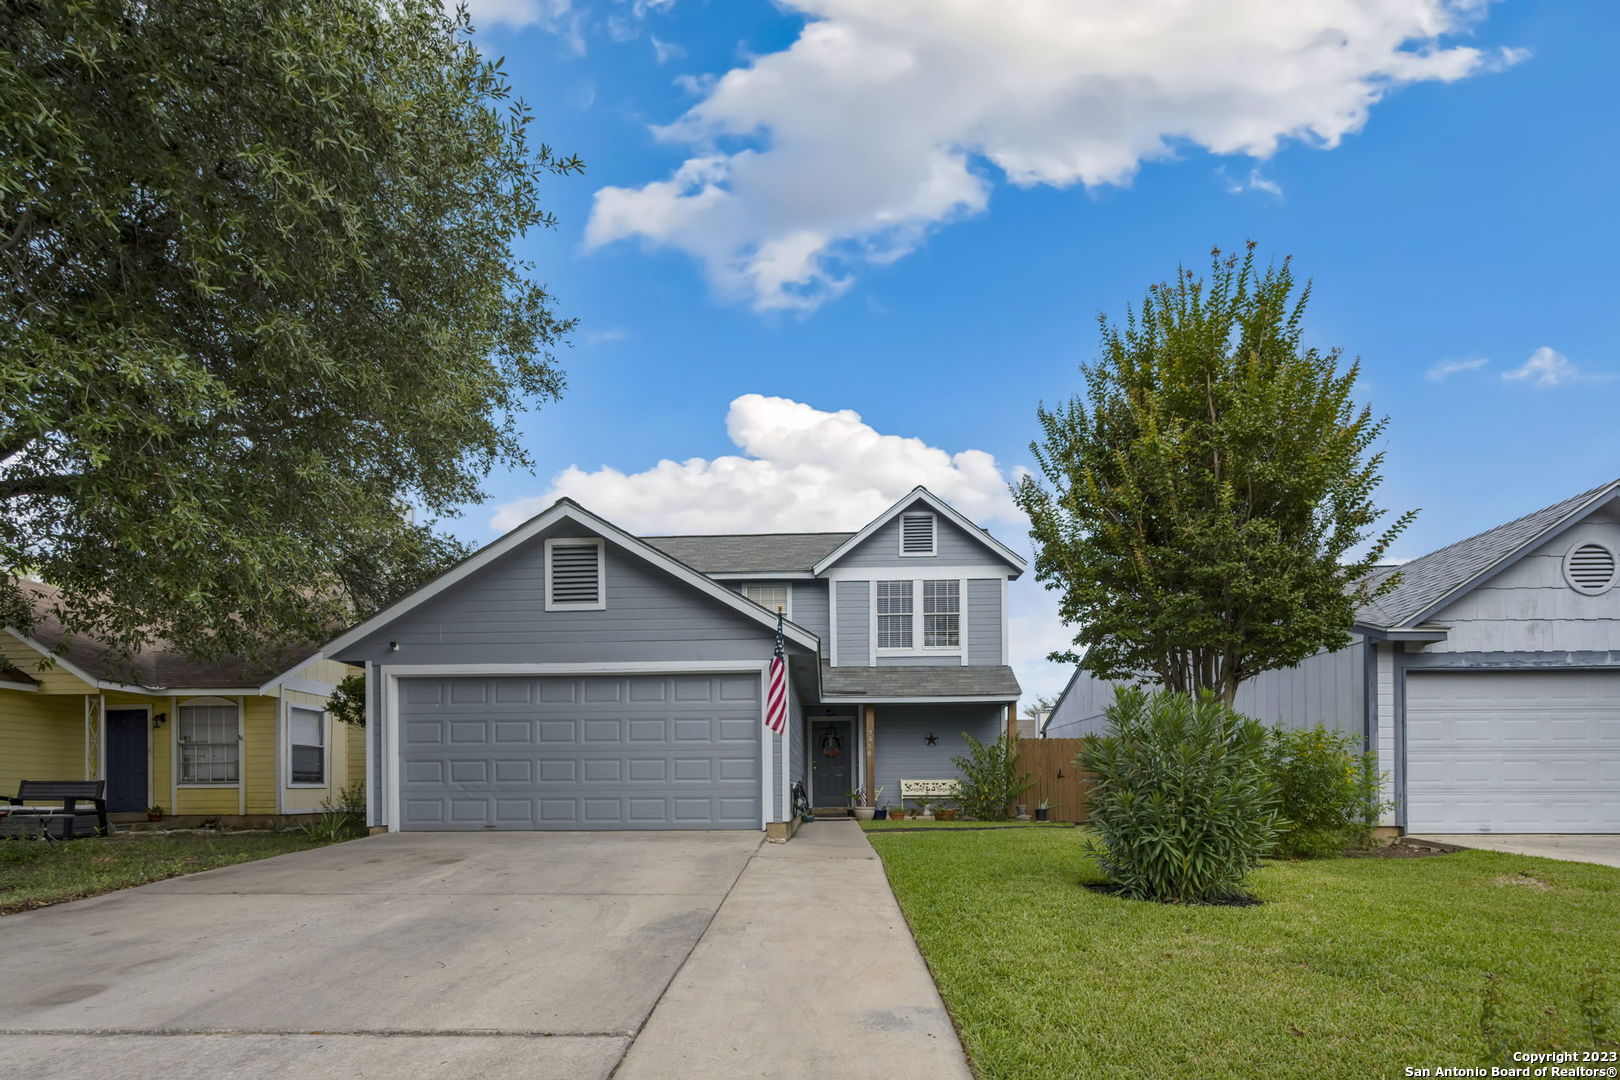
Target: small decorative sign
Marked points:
930	789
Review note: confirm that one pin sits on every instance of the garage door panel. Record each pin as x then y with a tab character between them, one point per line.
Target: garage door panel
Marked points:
1520	751
581	753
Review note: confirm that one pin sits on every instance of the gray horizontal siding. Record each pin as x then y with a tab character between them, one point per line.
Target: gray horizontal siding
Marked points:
1328	689
854	622
498	616
953	547
920	660
901	746
810	611
984	615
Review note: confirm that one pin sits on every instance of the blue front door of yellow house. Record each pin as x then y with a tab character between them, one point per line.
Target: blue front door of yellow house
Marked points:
832	762
126	760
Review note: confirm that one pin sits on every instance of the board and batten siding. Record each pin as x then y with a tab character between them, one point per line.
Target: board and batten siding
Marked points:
1529	607
498	616
1384	721
981	611
952	547
854	623
901	746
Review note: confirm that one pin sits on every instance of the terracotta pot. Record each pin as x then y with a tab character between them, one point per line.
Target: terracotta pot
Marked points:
897	814
945	815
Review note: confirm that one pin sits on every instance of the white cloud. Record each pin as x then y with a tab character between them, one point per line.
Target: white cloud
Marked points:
547	14
665	51
1255	181
806	469
1445	369
1548	368
605	337
884	120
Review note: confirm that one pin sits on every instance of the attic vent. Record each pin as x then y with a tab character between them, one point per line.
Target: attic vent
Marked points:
573	574
1590	568
916	534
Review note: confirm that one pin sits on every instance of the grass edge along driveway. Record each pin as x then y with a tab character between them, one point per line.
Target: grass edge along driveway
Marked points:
35	874
1351	967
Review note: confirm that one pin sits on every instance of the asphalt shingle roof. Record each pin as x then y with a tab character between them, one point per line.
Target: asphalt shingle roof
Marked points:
761	553
158	666
1427	580
939	682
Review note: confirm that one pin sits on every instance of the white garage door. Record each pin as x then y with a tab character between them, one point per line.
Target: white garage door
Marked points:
1513	751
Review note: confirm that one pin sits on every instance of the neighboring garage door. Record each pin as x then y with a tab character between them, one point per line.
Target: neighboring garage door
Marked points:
633	752
1513	751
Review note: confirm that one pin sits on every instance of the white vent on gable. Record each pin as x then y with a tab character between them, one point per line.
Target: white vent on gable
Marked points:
916	534
574	575
1590	568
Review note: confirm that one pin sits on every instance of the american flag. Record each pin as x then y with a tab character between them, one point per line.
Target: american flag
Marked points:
776	709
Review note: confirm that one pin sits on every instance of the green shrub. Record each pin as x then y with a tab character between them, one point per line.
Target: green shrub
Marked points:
343	819
1180	799
1329	791
991	782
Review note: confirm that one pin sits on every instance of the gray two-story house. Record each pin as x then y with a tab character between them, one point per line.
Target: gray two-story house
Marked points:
572	676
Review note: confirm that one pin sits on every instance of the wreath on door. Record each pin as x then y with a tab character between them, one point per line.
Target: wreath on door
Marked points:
831	745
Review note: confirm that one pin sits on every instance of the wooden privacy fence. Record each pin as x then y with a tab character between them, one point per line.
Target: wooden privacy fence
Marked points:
1057	779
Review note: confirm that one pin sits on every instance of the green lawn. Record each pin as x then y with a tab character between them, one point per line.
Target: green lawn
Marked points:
34	874
1351	967
916	823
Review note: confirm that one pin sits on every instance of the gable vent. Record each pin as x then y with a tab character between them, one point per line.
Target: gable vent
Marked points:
575	575
1590	568
917	534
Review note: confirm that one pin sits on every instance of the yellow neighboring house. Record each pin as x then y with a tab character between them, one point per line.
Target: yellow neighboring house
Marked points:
220	739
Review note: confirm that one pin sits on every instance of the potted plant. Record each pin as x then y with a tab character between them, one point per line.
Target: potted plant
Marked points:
881	814
925	808
897	813
946	813
862	810
154	812
1040	811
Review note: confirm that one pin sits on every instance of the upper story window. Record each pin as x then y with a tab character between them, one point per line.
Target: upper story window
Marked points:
942	614
574	575
917	534
209	730
771	597
894	615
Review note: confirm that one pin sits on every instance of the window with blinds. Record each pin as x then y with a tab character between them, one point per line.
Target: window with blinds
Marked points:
573	574
942	614
916	534
306	746
771	597
894	612
210	746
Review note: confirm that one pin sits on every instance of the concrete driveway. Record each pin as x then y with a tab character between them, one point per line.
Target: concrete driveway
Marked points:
1602	848
522	954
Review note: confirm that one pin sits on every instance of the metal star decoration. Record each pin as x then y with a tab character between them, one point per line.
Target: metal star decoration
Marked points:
933	740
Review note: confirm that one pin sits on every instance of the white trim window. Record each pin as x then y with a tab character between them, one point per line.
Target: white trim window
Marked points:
210	738
306	746
917	534
574	577
894	615
771	597
942	614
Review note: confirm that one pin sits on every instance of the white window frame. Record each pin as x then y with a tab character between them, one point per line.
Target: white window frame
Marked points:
922	592
787	596
600	603
879	616
918	623
179	758
326	747
933	536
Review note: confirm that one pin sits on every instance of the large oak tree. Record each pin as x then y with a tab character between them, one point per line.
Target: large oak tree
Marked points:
259	294
1207	512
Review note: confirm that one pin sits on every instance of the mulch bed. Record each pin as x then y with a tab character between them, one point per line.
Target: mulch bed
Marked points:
1403	849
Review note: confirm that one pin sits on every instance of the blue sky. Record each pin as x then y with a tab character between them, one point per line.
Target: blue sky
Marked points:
914	213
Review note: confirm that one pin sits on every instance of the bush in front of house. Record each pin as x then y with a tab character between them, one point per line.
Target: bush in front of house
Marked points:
1329	791
991	781
1181	800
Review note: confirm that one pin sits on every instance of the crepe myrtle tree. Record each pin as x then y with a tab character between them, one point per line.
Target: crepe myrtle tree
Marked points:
1197	506
259	294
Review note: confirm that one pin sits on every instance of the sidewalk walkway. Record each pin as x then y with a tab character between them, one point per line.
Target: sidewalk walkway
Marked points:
807	971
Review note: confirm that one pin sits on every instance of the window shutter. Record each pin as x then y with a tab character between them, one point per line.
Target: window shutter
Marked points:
917	534
576	574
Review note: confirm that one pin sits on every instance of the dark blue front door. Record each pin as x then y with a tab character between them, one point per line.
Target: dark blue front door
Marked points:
126	760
